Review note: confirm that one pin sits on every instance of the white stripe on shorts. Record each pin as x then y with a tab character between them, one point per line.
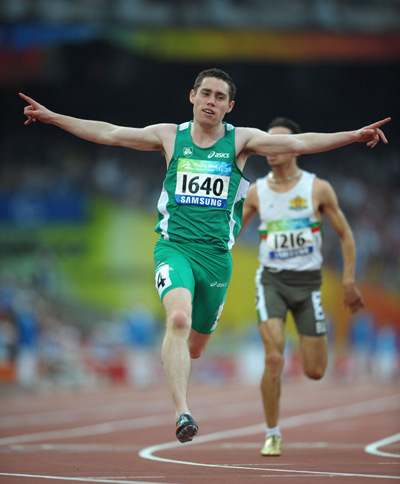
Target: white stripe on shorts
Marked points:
261	305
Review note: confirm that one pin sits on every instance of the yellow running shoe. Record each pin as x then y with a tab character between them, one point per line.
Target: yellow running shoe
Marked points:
272	446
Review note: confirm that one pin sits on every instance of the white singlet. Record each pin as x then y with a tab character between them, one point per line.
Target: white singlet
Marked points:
290	233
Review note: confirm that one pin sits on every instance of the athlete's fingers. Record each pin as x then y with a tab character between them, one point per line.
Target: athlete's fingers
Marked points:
382	135
378	124
26	98
378	135
30	120
357	304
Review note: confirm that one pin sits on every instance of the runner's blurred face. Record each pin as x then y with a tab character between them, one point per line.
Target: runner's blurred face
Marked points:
211	101
286	158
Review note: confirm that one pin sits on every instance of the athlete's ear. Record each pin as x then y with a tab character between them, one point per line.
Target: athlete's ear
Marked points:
191	96
230	107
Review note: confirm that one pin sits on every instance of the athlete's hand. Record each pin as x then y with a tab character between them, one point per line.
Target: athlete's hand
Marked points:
372	133
352	298
35	111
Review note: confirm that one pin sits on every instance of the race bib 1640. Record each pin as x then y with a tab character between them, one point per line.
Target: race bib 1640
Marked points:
202	182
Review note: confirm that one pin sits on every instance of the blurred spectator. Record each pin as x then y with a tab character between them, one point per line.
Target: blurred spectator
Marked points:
27	364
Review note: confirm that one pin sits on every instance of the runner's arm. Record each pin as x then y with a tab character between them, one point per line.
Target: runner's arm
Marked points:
330	207
250	206
261	143
146	139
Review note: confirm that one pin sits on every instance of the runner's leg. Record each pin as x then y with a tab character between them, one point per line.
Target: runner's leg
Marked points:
175	350
314	355
198	342
272	335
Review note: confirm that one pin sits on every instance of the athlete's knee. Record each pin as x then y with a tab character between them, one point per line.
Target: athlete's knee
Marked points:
316	372
179	322
198	343
195	351
314	355
274	363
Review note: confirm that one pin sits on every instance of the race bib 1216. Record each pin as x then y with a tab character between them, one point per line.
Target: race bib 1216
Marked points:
289	238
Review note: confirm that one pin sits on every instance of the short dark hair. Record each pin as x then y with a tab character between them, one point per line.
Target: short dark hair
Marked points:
282	122
218	74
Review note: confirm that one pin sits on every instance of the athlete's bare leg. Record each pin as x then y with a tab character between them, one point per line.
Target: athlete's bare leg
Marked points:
175	349
314	355
272	335
198	342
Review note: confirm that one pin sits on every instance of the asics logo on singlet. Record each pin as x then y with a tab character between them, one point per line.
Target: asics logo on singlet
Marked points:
213	154
218	284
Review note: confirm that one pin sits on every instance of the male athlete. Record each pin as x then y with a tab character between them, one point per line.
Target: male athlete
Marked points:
290	203
200	210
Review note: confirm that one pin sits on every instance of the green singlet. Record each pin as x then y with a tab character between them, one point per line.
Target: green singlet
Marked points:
203	192
200	215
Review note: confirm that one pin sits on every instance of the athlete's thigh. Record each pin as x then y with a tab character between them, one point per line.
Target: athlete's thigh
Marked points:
306	307
178	299
270	301
173	269
212	281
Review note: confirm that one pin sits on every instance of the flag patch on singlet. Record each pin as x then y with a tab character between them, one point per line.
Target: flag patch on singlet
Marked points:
298	203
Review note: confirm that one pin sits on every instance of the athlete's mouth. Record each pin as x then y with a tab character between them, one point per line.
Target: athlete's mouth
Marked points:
208	111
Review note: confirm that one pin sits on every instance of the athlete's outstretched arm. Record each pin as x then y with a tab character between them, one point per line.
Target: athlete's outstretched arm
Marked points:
148	138
261	143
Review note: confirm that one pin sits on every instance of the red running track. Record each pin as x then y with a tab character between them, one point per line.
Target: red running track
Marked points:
333	432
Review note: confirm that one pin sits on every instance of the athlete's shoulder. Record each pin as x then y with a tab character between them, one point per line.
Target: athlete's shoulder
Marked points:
252	187
166	134
252	194
322	189
320	182
163	129
244	137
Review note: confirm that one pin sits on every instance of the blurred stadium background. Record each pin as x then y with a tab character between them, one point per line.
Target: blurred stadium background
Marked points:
77	300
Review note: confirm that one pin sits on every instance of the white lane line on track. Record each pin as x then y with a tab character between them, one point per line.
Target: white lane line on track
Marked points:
82	479
73	448
374	446
223	411
325	415
97	429
69	415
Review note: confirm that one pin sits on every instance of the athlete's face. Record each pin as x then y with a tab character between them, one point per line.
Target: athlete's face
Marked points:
277	160
211	101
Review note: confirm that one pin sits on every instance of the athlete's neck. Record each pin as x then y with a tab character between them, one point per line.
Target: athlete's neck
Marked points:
286	179
206	136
